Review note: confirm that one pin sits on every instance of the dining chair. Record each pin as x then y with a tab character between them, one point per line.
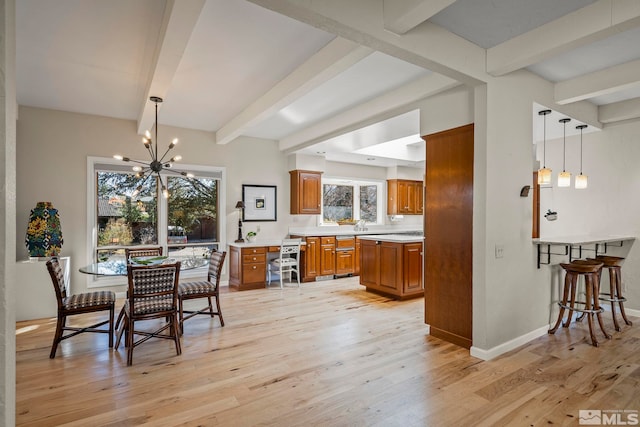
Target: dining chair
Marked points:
133	253
209	288
74	304
152	295
287	262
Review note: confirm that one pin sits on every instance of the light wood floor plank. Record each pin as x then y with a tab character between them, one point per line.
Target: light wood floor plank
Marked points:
327	354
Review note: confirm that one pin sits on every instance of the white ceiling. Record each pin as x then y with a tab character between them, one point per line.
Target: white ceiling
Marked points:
236	68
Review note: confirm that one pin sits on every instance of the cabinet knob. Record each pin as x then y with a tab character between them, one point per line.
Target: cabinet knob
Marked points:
254	258
254	267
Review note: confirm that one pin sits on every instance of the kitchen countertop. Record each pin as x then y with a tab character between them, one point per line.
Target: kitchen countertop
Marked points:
259	243
581	240
349	231
394	238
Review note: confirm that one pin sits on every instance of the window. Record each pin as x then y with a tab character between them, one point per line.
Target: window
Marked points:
129	212
350	200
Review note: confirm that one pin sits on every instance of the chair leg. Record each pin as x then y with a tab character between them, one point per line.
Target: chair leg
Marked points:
562	304
129	340
56	338
181	308
111	330
213	314
176	333
120	315
219	311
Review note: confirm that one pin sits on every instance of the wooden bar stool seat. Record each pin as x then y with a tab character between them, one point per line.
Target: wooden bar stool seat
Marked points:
614	266
590	307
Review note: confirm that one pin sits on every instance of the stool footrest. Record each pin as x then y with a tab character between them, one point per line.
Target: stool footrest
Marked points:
582	310
612	299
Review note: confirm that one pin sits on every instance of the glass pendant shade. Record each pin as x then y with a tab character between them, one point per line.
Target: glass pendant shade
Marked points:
544	176
564	179
581	182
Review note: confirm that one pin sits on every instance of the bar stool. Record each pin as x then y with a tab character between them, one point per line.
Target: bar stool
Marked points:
590	270
614	266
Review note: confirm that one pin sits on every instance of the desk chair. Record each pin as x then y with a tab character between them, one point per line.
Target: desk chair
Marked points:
287	262
70	305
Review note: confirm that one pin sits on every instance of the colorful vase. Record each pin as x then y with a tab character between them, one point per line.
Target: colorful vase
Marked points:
44	235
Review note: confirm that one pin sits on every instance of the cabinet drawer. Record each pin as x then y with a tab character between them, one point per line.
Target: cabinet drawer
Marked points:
327	240
253	251
253	273
346	243
252	259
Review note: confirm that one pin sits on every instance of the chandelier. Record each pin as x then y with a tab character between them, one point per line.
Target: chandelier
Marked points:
157	163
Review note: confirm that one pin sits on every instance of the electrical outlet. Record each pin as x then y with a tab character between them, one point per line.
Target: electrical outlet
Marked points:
499	251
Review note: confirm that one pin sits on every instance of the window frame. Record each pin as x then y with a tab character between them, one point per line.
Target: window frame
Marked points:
95	164
356	183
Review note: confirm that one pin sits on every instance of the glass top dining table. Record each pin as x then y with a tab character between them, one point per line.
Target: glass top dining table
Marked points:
118	266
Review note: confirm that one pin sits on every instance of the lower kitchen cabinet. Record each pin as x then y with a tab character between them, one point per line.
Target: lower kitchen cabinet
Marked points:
392	269
247	267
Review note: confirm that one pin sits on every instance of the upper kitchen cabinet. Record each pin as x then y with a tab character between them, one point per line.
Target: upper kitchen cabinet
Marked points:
404	197
306	192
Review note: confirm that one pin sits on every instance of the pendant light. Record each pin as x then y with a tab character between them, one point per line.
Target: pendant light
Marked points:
564	177
581	180
544	174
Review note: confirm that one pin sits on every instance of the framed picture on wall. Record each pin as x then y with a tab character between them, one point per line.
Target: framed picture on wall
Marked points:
259	203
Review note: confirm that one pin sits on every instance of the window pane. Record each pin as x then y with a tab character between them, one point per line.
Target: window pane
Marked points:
369	203
192	211
337	201
126	217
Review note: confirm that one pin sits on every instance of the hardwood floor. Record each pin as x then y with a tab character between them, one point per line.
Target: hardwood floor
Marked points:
329	354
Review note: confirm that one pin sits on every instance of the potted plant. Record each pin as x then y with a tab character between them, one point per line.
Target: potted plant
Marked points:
251	236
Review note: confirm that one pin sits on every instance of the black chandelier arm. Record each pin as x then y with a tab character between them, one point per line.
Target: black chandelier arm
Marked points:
164	155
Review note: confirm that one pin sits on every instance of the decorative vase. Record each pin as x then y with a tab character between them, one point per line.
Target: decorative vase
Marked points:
44	235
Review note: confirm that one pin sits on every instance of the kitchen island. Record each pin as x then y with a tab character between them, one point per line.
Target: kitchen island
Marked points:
391	265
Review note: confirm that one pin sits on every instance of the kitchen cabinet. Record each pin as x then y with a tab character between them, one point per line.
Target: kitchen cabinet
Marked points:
310	258
327	256
247	267
391	268
306	192
345	255
356	264
404	197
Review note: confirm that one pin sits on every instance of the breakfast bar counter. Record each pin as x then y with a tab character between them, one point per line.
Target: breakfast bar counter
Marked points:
574	246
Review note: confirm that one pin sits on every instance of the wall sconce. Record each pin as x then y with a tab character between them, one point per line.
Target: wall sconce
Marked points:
544	174
240	206
564	177
581	180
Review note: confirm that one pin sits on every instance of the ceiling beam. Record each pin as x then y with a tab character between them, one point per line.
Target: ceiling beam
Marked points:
328	62
603	82
591	23
178	22
400	16
618	111
419	89
427	45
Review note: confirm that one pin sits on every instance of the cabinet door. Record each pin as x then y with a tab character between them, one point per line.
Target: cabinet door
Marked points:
369	260
312	258
406	199
306	192
344	261
327	259
235	266
419	197
356	259
390	263
412	255
392	197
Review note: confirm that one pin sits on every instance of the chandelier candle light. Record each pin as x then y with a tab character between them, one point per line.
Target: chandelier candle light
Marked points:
581	180
157	163
564	177
544	174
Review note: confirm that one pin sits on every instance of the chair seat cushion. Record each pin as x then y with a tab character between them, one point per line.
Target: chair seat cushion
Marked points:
151	305
285	262
89	299
196	288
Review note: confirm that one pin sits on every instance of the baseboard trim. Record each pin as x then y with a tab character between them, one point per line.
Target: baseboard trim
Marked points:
630	312
509	345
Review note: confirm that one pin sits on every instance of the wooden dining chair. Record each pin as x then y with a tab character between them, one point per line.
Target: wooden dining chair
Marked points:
74	304
287	262
209	288
152	294
133	253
